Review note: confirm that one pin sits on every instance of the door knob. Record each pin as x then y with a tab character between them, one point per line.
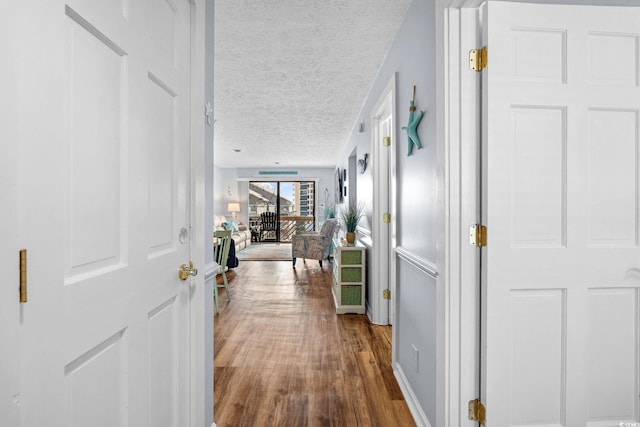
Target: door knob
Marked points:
187	270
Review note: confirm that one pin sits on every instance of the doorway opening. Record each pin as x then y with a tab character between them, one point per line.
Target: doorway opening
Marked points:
293	203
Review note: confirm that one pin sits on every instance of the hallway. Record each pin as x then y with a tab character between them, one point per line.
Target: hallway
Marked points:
283	357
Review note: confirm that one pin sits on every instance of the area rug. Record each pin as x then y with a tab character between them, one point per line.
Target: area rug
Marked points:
265	252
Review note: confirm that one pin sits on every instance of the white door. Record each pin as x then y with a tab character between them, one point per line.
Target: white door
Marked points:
103	164
383	276
561	196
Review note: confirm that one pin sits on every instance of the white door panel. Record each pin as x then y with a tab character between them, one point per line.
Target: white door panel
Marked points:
104	120
561	201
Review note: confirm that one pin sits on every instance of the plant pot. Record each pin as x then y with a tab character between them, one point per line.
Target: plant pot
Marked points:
351	237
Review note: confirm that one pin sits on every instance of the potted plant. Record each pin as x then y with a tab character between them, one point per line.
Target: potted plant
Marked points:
329	211
351	217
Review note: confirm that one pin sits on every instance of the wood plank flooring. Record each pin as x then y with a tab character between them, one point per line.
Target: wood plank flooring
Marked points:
284	358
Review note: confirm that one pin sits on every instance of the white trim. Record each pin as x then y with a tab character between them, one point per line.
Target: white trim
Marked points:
393	207
210	271
446	373
201	305
420	263
383	234
458	131
366	234
364	237
419	417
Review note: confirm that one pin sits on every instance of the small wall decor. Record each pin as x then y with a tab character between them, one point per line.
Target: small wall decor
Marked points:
208	112
362	164
412	126
338	186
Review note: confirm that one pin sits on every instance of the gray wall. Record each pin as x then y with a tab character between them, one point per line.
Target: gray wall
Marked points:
226	190
412	58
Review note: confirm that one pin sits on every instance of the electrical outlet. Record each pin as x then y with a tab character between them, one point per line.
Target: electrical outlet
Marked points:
414	359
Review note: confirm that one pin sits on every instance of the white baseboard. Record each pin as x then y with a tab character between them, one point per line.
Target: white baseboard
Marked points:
418	414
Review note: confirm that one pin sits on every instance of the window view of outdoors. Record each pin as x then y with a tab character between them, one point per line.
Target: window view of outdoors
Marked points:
291	204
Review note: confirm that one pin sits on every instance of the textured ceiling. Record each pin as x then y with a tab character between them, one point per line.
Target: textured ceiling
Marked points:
291	76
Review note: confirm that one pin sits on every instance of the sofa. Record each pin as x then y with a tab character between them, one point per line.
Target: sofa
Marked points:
241	236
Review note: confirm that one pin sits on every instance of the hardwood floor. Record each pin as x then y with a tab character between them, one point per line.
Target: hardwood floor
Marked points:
284	358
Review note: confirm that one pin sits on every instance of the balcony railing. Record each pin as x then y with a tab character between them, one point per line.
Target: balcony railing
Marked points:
289	225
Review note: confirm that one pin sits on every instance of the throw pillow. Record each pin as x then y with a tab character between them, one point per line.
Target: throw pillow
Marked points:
230	225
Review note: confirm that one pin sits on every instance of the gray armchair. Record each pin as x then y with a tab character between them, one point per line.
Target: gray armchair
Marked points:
314	245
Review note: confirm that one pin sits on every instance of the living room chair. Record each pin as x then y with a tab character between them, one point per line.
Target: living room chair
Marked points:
268	223
314	245
222	243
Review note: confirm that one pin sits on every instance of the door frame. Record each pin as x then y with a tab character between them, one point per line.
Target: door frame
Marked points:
382	311
458	141
10	307
201	149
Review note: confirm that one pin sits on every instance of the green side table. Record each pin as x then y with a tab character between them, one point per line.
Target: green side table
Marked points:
349	272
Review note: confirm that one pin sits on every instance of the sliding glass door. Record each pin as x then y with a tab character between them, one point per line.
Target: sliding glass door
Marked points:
293	202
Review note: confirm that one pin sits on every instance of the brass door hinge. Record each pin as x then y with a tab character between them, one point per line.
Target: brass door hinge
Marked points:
386	217
477	411
23	276
386	294
386	141
478	235
478	59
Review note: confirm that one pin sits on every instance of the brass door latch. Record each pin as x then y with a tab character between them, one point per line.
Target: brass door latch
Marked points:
187	270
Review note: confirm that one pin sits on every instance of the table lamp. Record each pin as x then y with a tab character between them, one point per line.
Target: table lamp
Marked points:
233	208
